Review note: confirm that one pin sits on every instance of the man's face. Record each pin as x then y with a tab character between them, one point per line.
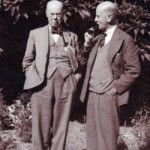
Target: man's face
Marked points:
102	19
54	14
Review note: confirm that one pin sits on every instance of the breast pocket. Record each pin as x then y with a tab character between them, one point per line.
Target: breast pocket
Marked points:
119	64
118	60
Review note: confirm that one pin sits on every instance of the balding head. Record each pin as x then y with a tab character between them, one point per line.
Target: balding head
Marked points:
108	8
54	12
54	4
106	14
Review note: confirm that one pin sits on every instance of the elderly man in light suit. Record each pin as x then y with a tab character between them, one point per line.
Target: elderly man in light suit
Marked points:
112	66
50	65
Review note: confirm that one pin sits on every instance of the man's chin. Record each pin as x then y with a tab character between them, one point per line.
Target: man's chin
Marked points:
55	25
101	29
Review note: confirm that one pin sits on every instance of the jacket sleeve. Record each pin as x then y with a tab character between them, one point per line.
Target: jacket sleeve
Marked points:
86	49
76	45
84	54
131	66
29	53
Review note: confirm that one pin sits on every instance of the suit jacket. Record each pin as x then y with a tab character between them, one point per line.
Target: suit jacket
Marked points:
123	60
37	52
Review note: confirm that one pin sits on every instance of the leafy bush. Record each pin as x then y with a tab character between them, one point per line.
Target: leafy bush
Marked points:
5	120
141	127
137	135
17	116
135	20
21	116
8	144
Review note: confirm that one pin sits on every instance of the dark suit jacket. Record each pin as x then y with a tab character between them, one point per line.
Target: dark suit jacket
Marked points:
123	61
36	55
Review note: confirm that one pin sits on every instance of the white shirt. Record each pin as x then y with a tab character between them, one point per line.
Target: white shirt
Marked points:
109	33
55	36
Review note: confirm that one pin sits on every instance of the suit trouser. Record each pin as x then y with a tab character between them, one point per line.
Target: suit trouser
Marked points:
51	108
102	122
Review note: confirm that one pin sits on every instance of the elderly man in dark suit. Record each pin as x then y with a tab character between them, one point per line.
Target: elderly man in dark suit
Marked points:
50	65
112	66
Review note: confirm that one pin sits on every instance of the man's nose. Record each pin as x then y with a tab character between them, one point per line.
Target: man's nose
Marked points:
55	16
95	19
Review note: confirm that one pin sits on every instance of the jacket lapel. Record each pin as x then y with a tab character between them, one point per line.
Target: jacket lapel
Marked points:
94	52
51	40
45	40
43	50
115	45
91	61
66	37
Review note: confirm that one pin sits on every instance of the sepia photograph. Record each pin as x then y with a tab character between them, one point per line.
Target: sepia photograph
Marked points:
74	74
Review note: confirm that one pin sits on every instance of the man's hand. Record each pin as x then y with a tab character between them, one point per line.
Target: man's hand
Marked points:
78	77
1	51
88	39
112	91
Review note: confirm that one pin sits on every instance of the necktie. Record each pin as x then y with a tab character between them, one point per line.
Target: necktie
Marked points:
102	42
55	31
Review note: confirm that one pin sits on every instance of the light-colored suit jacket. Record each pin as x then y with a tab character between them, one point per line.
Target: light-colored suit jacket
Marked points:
123	60
36	55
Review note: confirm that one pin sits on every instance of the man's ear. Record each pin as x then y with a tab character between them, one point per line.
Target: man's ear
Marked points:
46	13
109	18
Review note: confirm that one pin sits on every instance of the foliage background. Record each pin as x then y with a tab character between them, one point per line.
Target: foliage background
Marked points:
18	17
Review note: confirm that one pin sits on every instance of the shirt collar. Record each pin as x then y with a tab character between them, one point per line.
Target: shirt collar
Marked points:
49	27
110	31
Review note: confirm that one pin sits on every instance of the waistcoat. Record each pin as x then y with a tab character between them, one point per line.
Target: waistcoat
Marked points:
58	58
101	76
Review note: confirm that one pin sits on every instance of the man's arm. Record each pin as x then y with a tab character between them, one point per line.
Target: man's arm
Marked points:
76	45
131	67
85	49
30	53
